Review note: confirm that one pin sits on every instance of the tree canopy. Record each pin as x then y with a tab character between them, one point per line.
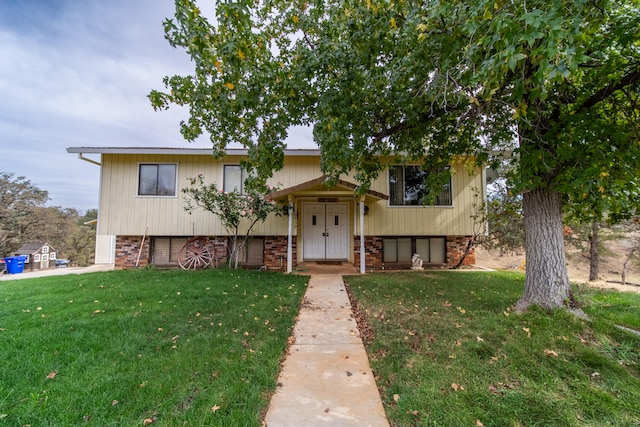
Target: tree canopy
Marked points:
551	85
25	218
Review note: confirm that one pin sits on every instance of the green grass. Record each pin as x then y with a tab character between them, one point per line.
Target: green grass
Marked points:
449	351
132	345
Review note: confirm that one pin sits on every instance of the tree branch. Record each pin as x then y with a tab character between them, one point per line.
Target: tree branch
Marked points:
633	77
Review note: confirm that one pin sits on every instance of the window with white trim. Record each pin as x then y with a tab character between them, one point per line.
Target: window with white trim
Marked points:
157	179
407	187
233	180
432	250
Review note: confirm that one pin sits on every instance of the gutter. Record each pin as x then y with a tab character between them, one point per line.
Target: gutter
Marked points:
86	159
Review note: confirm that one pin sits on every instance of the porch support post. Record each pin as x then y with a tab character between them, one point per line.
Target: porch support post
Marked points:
289	236
363	267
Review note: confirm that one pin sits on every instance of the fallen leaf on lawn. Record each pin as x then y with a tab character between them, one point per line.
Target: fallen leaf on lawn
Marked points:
98	311
479	423
160	329
479	339
446	304
52	375
595	374
461	310
453	356
493	389
147	421
175	338
459	343
550	353
3	416
214	408
456	387
396	397
458	325
114	403
528	331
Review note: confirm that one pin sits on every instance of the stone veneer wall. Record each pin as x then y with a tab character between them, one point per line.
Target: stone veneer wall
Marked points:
275	252
456	245
127	250
373	252
220	249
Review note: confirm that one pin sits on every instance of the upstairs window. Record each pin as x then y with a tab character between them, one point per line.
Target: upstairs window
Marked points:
234	177
157	180
406	187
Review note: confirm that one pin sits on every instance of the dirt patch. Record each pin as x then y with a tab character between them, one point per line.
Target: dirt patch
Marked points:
611	266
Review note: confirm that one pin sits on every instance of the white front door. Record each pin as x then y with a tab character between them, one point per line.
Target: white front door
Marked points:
326	231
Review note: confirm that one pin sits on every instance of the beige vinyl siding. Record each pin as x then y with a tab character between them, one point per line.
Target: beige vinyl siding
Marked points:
386	220
123	212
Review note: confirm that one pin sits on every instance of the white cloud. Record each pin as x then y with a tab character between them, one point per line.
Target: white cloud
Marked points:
77	73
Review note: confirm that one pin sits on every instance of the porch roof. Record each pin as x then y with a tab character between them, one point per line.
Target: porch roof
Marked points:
317	187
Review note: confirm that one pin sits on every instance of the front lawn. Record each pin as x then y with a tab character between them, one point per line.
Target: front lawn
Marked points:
447	350
169	347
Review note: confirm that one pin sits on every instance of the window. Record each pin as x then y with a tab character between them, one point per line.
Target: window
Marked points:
401	249
157	180
234	177
165	250
406	187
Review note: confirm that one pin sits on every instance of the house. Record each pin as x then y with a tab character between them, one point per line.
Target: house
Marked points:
40	256
142	219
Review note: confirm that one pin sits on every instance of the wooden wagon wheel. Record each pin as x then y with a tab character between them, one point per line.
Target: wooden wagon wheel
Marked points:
195	254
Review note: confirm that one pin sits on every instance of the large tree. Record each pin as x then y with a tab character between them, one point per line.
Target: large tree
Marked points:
552	85
19	201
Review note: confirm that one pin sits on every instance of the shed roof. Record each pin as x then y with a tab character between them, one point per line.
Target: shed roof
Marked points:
31	247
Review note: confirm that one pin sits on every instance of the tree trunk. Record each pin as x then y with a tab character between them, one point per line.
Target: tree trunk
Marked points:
594	255
546	281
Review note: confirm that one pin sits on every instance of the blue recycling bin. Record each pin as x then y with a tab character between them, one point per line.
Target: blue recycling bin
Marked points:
15	264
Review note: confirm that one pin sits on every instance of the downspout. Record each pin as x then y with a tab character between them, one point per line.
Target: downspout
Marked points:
86	159
112	243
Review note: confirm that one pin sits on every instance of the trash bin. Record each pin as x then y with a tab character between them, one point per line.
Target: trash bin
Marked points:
15	264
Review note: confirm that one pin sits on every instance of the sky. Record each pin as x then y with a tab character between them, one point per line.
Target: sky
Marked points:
76	74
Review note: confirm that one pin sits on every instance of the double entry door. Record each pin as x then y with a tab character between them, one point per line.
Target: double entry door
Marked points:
326	231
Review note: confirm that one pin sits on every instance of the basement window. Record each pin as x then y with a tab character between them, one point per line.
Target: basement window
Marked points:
399	250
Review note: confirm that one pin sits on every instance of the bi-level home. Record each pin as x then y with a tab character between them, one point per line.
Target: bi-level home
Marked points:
142	219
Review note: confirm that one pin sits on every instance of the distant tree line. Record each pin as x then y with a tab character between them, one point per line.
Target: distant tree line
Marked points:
25	218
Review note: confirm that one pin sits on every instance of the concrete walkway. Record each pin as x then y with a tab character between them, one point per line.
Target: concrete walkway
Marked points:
326	379
57	272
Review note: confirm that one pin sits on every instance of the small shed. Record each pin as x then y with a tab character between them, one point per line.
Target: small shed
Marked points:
40	256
